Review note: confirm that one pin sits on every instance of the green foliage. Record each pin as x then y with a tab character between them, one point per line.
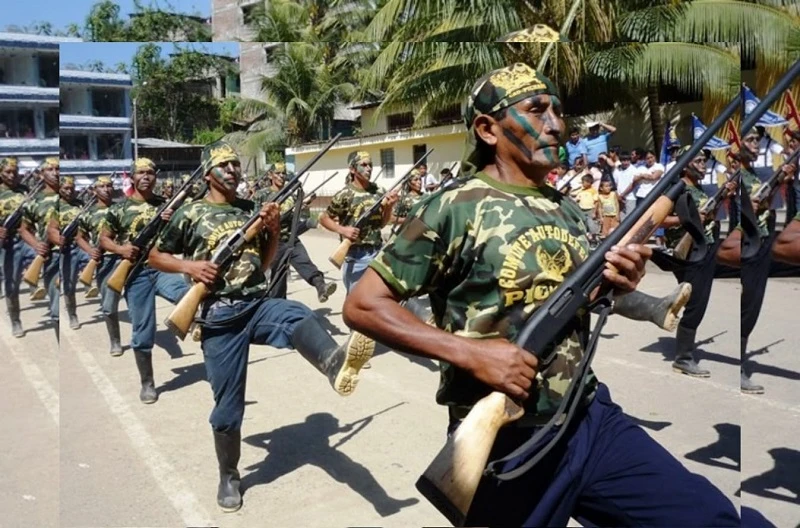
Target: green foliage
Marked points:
205	136
105	24
173	95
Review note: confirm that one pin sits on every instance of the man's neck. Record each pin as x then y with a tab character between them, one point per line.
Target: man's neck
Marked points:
513	175
358	183
216	196
138	195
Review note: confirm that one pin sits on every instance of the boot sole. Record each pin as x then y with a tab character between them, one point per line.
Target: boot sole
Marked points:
330	289
230	510
671	321
115	353
359	350
752	391
679	371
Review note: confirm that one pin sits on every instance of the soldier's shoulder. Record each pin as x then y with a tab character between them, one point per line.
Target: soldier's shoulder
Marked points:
244	204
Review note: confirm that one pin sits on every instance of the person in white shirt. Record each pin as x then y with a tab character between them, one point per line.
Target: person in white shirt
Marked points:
715	171
768	148
429	180
647	177
623	177
673	157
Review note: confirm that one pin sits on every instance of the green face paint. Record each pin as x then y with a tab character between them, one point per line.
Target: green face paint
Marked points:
218	173
536	135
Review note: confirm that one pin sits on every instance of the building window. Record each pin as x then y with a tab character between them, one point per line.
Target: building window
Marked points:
51	122
17	123
418	151
448	115
387	163
109	146
107	103
397	122
48	70
74	147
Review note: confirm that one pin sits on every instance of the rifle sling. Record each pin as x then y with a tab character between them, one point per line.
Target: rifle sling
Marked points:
689	217
573	398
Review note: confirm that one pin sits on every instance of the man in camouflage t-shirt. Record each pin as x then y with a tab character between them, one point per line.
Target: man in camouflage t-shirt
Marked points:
299	258
73	258
15	255
488	251
410	195
347	206
119	228
34	232
89	239
237	312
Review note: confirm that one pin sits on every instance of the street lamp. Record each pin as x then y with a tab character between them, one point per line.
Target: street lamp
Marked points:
135	127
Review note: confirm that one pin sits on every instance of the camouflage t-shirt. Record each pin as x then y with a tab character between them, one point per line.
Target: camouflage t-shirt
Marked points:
405	203
673	235
65	213
488	254
126	219
91	220
348	204
752	184
195	231
10	199
265	195
38	211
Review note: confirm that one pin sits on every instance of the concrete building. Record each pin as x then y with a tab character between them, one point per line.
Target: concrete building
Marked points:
29	96
96	124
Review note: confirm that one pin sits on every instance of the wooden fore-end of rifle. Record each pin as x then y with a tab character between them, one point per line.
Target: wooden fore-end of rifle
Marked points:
34	271
87	274
337	259
116	281
452	478
182	316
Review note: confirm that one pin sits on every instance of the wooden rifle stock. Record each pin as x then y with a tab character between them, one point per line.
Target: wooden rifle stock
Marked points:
34	271
116	281
87	274
337	258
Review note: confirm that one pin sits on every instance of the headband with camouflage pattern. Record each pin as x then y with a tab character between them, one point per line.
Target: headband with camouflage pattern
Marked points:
143	164
217	153
278	167
51	162
67	180
496	91
537	33
354	158
9	162
104	180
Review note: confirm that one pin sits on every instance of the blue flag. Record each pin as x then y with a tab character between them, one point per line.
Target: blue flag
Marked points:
698	128
670	140
769	119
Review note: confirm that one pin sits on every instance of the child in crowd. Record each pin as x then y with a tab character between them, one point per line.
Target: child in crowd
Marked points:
608	206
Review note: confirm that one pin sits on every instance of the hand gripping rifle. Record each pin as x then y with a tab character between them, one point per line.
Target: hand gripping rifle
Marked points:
767	190
12	221
684	246
146	237
87	273
451	480
183	314
34	271
337	258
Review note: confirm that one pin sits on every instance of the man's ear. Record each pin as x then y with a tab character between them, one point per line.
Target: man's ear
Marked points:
485	129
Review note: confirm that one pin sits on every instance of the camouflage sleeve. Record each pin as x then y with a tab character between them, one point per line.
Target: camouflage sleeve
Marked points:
287	204
340	204
173	236
28	215
414	261
111	221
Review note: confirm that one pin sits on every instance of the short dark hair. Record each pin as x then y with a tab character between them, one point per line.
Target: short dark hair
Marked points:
444	171
574	130
624	156
639	151
650	151
587	177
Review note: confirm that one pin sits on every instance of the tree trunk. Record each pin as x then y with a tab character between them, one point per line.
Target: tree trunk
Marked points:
656	119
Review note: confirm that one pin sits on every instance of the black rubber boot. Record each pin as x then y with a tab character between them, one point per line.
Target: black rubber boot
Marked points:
12	302
112	325
684	354
144	362
340	364
661	311
69	301
747	386
228	447
324	290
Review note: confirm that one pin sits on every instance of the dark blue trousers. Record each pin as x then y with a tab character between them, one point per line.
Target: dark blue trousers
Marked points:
605	471
16	257
73	259
50	276
109	299
226	349
140	295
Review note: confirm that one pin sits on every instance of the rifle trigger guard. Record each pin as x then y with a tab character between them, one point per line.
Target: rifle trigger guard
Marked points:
690	221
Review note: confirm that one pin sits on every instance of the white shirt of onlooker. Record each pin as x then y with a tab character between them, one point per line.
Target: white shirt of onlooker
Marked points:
767	148
715	171
645	187
430	179
624	177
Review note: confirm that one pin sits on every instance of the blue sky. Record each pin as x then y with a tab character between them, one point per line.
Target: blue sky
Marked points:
112	53
60	13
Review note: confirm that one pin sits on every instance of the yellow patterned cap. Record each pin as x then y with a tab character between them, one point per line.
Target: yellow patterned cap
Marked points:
50	162
9	162
357	157
143	164
104	180
67	180
216	153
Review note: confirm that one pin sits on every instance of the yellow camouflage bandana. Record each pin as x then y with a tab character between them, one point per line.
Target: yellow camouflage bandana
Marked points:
143	164
103	180
217	153
279	167
495	91
67	180
537	33
9	162
50	162
354	158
